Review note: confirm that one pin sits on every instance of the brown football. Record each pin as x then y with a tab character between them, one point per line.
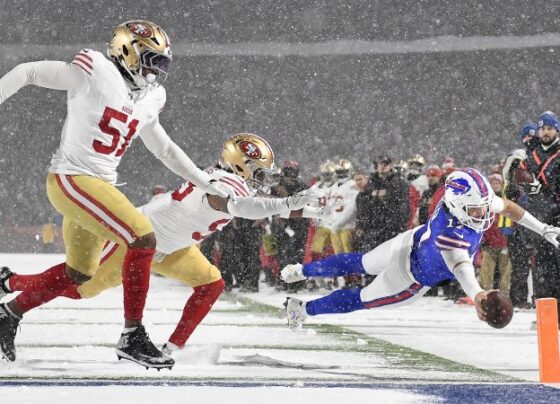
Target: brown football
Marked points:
521	176
499	309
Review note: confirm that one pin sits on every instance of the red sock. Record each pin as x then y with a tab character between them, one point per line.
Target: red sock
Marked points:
316	256
45	287
24	283
136	281
198	305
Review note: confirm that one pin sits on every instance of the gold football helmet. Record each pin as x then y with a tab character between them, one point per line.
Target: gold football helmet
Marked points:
249	156
417	160
328	169
141	49
344	169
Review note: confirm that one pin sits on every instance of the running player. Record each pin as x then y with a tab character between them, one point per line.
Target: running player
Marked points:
181	219
111	100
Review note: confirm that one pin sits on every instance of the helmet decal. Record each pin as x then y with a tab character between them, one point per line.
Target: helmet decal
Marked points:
250	149
458	186
140	29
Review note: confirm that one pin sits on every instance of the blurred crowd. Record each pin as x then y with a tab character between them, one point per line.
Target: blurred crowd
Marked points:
375	205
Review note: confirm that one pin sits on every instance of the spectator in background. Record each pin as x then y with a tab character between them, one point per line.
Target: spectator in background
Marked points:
383	205
447	168
543	201
418	185
520	242
434	174
290	233
495	249
416	166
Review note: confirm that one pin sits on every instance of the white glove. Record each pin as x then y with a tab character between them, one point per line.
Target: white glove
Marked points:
220	189
532	188
551	235
299	200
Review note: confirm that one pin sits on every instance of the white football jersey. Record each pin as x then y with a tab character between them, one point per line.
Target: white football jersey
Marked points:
345	191
104	117
183	217
321	201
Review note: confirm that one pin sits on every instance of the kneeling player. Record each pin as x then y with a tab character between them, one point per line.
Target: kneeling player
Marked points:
408	265
181	219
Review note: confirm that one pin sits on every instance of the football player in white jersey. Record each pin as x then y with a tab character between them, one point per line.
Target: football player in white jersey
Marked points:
322	234
343	192
111	100
181	219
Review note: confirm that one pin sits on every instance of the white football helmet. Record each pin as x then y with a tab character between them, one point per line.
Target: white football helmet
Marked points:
467	189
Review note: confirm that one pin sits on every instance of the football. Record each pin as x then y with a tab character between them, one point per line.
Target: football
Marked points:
521	176
499	309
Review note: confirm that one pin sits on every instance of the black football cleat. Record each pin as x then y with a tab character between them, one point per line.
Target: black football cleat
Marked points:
8	328
5	274
136	346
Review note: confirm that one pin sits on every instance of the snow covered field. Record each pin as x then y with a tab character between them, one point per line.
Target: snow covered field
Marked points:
433	351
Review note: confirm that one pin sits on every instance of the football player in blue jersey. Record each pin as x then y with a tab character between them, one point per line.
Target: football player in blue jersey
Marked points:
407	266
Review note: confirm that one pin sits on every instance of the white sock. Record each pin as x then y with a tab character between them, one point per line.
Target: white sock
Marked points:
171	346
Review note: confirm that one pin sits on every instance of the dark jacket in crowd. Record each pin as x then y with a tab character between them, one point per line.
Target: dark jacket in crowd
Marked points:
426	202
545	165
382	209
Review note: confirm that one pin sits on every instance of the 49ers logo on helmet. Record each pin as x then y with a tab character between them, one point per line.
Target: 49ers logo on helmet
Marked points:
140	29
250	149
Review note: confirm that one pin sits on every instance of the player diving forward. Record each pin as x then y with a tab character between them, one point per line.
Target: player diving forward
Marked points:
412	262
182	219
110	102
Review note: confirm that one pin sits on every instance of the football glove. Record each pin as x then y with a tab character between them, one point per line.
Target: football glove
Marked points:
532	188
551	234
299	200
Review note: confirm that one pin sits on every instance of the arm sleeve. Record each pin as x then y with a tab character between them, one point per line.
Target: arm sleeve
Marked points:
257	208
460	265
160	145
498	205
49	74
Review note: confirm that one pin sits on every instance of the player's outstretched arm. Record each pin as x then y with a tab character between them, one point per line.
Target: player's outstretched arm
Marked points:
49	74
173	157
254	207
518	214
460	265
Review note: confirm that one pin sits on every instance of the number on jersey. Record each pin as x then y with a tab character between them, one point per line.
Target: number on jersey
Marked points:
105	126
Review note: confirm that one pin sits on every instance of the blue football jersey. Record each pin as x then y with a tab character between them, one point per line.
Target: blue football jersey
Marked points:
442	232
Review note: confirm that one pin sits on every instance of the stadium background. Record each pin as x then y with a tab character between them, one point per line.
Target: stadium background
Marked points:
318	79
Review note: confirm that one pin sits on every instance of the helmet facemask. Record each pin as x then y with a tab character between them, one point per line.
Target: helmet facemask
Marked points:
461	212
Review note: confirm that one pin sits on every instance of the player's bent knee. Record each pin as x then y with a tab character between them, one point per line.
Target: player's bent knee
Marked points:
76	276
147	241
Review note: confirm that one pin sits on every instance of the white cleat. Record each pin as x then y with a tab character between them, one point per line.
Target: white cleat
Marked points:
295	311
293	273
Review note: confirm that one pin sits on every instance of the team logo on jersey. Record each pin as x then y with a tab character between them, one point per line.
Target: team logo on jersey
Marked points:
250	149
459	186
140	29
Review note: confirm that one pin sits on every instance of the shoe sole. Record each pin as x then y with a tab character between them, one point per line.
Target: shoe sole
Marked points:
158	366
